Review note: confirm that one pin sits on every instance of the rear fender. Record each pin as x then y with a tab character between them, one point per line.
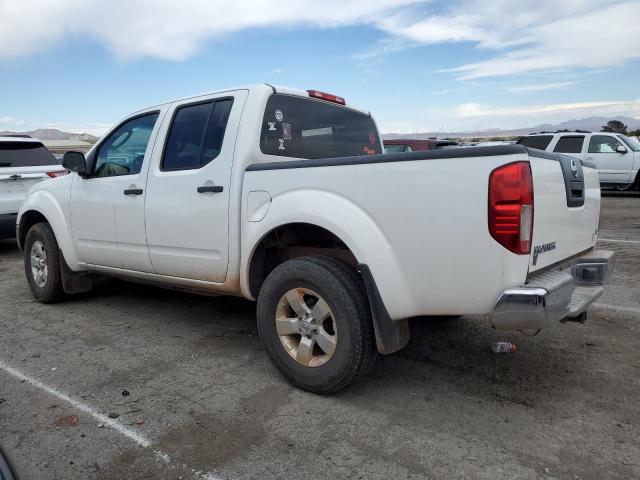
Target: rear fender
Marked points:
345	219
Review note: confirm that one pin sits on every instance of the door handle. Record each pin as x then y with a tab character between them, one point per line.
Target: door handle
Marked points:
133	191
210	189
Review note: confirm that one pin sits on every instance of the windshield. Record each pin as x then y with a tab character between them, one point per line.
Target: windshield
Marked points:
305	128
25	154
632	143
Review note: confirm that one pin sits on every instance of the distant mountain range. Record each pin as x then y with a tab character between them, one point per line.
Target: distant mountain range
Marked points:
54	134
592	124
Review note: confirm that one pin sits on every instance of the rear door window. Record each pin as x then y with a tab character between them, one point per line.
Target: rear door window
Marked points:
196	135
541	142
306	128
25	154
569	144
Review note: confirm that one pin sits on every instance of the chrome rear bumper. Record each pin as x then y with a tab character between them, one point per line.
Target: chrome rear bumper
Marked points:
563	293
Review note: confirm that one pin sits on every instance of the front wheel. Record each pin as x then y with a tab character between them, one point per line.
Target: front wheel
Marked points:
315	323
42	264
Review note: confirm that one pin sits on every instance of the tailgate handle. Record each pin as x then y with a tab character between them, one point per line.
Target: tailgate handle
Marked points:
210	189
15	177
133	191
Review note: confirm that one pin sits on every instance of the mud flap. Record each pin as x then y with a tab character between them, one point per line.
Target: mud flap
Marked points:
391	335
73	282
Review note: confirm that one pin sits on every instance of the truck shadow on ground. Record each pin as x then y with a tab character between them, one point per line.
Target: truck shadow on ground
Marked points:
8	246
621	194
441	353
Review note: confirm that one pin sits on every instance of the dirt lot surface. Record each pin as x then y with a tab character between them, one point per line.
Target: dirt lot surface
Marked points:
203	401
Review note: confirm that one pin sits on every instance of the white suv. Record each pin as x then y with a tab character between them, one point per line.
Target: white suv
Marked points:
24	161
616	156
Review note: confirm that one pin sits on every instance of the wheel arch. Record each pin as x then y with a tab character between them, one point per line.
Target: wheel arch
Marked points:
287	241
41	206
391	334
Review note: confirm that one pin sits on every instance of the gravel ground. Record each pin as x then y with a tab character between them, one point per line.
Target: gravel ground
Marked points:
196	397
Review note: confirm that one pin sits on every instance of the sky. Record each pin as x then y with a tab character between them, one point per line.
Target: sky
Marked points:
418	66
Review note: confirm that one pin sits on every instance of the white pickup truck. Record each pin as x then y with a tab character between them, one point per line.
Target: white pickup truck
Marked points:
616	156
284	196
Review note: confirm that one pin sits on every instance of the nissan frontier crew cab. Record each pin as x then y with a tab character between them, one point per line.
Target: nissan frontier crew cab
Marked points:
284	196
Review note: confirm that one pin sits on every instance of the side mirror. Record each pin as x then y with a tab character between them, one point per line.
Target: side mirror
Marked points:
75	162
621	149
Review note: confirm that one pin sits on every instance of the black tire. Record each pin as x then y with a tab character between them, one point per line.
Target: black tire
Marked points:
341	287
52	289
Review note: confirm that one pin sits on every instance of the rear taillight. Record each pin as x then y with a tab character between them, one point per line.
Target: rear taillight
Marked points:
511	207
326	96
57	173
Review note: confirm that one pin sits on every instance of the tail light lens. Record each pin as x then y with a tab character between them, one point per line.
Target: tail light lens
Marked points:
57	173
511	207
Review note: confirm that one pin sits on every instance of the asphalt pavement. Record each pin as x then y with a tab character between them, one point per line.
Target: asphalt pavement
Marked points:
136	382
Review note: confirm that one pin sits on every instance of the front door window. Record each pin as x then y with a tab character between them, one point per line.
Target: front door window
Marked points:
122	153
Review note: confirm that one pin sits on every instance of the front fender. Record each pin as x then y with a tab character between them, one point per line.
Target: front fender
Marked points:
345	219
46	204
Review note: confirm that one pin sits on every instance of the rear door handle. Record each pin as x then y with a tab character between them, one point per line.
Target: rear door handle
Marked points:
211	189
133	191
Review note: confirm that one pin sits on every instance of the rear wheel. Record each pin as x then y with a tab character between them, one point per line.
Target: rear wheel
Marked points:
42	264
315	323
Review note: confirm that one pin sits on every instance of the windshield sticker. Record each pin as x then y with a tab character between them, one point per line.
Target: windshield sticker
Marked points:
281	146
272	126
279	115
286	131
317	131
372	138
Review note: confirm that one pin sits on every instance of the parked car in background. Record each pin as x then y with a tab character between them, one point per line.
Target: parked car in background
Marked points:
616	156
409	145
24	161
274	194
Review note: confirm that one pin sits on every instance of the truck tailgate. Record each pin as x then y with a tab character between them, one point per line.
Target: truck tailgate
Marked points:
566	209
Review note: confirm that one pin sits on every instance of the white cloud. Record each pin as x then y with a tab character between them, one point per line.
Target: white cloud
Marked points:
529	35
166	29
525	36
593	37
92	128
469	110
477	116
7	122
541	87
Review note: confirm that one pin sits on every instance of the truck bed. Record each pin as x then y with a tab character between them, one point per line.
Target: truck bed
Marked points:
419	220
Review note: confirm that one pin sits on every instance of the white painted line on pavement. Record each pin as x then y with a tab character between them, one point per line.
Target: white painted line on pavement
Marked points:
617	241
617	308
127	432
